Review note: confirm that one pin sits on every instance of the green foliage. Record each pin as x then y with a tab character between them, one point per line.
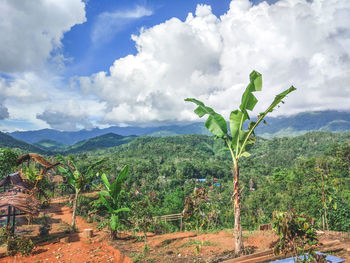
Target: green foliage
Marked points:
8	160
199	211
45	225
197	242
5	233
110	198
296	235
32	175
282	172
7	141
23	245
239	141
79	179
104	141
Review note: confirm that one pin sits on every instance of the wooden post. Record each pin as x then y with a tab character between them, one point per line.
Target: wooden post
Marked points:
13	220
180	223
8	216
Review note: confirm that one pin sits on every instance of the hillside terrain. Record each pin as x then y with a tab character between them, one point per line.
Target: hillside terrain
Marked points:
6	141
50	145
308	173
277	127
104	141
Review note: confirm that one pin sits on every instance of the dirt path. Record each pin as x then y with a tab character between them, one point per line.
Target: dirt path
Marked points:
78	250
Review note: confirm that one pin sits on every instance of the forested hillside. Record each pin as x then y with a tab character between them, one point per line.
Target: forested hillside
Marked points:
281	173
7	141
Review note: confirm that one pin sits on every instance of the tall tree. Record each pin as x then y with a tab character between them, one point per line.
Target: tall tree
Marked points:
239	141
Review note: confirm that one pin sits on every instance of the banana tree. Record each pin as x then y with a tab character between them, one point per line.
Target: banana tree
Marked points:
238	140
77	179
110	198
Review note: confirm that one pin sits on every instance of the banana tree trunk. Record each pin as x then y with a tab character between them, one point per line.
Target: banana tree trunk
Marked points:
237	211
75	201
114	234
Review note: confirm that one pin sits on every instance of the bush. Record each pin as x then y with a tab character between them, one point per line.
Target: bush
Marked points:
23	245
45	227
297	235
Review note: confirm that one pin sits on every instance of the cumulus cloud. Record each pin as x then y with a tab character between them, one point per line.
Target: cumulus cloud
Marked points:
4	113
64	121
72	115
297	42
31	30
26	87
30	56
108	24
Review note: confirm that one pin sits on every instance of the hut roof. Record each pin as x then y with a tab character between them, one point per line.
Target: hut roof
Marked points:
16	180
22	201
39	159
36	157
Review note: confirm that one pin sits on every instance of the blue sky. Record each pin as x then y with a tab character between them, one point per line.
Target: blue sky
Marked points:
74	64
90	58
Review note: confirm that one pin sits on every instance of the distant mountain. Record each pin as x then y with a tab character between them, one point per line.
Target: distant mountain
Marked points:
103	141
304	122
7	141
50	145
73	137
277	127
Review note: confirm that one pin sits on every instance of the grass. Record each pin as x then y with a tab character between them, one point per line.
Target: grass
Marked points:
167	242
249	233
197	242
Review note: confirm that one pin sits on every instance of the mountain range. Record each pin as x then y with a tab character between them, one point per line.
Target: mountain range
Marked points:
70	142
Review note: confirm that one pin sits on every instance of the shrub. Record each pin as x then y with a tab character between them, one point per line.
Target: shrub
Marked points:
45	226
297	235
23	245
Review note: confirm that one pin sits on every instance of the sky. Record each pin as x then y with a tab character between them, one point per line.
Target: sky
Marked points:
74	64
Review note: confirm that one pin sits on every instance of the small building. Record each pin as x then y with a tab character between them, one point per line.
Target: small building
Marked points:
17	198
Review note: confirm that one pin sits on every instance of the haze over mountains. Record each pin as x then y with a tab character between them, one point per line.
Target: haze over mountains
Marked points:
71	142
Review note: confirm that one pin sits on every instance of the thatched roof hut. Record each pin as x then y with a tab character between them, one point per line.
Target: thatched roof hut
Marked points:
16	180
21	201
20	195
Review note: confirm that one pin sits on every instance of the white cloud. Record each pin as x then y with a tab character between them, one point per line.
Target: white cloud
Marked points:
43	102
109	23
31	30
72	114
306	44
30	56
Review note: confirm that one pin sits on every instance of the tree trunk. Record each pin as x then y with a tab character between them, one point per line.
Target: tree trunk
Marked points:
75	201
237	211
114	234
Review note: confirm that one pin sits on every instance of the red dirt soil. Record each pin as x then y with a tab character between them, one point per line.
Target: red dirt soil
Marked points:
79	250
179	247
